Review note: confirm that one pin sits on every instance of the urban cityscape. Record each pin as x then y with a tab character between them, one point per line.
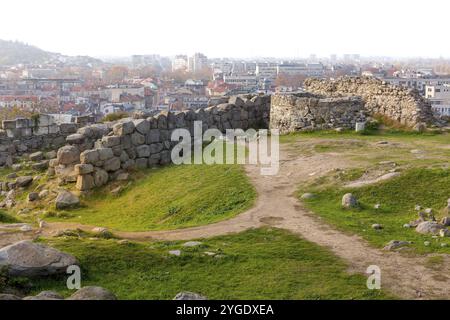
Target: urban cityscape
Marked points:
66	87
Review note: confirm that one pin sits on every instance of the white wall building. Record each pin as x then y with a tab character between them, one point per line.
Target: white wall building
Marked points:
439	97
180	62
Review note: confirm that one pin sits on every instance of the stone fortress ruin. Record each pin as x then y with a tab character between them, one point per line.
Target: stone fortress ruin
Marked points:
94	154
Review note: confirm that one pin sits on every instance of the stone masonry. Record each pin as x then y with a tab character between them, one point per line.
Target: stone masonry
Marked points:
305	111
141	143
22	135
402	105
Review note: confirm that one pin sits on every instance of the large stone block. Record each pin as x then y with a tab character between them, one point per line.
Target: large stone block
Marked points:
85	182
143	151
112	164
68	155
89	156
142	126
153	136
123	128
137	139
105	153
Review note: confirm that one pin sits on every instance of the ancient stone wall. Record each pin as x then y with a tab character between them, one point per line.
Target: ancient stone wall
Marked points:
300	112
23	135
403	105
142	143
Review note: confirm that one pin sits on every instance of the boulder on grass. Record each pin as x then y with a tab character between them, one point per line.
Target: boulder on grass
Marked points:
92	293
66	200
349	201
28	259
429	227
189	296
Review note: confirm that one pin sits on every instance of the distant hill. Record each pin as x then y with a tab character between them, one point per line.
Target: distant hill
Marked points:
15	52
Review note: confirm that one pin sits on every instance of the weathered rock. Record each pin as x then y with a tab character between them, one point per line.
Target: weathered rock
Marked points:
444	233
41	165
112	164
143	151
396	244
189	296
75	138
377	226
100	177
45	295
123	128
349	201
24	181
89	156
83	169
175	253
66	200
429	227
307	196
68	155
85	182
105	153
36	156
92	293
192	244
28	259
142	126
32	196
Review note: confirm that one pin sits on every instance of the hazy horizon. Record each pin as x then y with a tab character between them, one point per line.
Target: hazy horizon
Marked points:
235	29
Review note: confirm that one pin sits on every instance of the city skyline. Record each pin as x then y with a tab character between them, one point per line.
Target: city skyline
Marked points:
235	29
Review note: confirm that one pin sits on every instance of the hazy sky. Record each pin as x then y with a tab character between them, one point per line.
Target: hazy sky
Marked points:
234	28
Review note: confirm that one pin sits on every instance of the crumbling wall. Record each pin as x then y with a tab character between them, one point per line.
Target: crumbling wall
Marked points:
142	143
403	105
300	112
22	135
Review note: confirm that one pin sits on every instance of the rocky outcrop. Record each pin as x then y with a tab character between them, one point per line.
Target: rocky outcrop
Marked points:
402	105
28	259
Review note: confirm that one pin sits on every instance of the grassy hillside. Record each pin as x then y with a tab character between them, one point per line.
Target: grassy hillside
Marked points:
168	198
429	188
257	264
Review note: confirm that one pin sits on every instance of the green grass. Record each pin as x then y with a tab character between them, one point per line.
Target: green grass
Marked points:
373	136
429	188
256	264
6	218
170	197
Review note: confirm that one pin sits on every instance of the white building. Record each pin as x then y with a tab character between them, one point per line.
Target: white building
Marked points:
180	62
266	71
197	62
439	97
416	83
293	69
244	80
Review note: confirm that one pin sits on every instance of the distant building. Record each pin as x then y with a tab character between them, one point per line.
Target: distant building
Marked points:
439	97
180	62
197	62
243	80
22	102
294	69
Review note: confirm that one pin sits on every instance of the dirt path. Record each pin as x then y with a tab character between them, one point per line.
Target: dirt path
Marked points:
277	206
